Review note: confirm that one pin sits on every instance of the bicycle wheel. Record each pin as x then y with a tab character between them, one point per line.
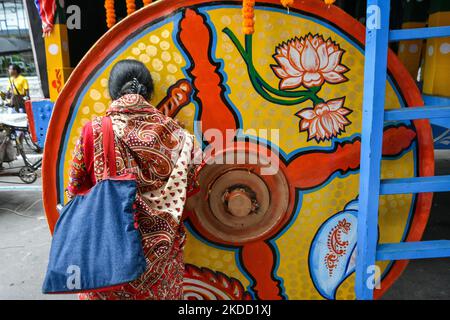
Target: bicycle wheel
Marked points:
27	175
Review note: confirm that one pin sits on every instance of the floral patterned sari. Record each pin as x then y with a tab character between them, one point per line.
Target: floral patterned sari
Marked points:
160	153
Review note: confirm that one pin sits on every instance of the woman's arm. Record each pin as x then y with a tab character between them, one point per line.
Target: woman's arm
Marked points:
26	87
195	165
79	178
193	186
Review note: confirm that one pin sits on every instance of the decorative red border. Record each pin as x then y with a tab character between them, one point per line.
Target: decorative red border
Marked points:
119	33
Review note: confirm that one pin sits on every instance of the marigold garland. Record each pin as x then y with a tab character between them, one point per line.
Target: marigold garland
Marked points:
248	15
287	3
146	2
131	6
110	13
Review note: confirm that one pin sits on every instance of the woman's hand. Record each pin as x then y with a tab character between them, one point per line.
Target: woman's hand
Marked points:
190	203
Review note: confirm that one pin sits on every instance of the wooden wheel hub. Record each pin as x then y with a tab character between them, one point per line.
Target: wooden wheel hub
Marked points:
240	204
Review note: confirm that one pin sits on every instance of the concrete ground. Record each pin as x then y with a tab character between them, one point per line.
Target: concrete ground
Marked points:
25	241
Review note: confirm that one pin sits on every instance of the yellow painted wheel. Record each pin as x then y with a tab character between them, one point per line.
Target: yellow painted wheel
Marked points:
292	234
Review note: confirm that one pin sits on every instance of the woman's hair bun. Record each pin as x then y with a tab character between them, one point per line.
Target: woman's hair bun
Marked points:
130	77
133	87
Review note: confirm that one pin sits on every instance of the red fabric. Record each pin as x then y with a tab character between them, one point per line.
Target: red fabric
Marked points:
89	154
47	9
32	127
108	146
81	173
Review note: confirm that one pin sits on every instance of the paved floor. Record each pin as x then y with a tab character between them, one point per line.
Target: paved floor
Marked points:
24	245
430	278
25	240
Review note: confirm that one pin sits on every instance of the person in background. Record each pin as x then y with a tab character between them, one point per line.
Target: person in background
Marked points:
18	88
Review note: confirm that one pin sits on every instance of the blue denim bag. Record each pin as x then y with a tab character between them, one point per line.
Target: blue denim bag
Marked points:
95	245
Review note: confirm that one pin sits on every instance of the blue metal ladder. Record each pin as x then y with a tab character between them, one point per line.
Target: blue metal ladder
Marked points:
371	186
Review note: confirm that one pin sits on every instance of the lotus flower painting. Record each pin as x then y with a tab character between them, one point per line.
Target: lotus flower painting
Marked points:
325	120
309	61
303	66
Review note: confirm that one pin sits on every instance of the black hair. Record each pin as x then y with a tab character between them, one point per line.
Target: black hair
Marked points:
130	77
16	68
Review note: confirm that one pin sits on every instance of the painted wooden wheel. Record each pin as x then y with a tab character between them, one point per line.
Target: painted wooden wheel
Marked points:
290	235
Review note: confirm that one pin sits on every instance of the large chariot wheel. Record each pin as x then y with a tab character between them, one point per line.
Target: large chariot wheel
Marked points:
294	89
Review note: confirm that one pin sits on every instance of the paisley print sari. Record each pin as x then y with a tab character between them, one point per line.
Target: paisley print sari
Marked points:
160	154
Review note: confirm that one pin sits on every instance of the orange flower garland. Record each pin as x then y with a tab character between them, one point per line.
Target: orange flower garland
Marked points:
110	13
287	3
131	6
146	2
248	15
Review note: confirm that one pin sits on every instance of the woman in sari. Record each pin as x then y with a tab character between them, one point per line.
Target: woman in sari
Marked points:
158	151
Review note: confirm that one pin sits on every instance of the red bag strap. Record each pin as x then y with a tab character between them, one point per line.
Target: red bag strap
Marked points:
108	148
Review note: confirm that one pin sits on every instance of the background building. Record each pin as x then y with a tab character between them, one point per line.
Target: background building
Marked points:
16	45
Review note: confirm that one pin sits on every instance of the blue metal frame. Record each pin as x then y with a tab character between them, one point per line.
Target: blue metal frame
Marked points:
413	250
435	101
419	33
375	74
415	185
427	112
445	123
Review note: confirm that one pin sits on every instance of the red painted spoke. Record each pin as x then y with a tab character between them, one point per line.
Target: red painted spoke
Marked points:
195	37
310	170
